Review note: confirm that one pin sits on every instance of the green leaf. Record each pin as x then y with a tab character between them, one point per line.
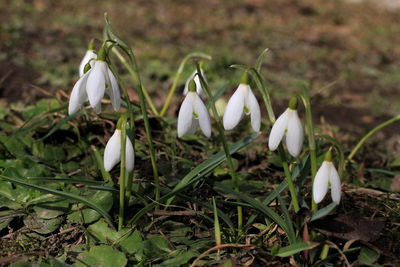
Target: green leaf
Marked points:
288	220
51	209
323	212
102	256
63	194
42	226
368	256
102	199
294	249
178	258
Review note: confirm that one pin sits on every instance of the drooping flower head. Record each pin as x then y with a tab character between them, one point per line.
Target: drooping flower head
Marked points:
327	175
199	87
242	102
288	125
98	80
112	152
88	58
193	114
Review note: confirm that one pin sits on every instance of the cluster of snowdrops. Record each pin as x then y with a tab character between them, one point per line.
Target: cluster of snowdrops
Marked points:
97	79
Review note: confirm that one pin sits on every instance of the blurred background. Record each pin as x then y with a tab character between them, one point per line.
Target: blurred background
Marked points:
349	51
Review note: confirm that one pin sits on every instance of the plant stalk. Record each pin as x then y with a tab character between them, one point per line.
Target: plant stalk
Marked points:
288	176
305	97
122	177
370	133
135	75
176	79
224	142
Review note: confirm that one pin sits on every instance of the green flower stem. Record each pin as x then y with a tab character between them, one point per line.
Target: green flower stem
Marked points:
122	176
288	176
176	79
305	97
224	142
313	157
265	94
131	130
128	191
370	133
135	75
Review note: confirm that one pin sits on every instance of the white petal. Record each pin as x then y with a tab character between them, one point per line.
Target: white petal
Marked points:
203	116
234	110
320	186
88	56
112	153
97	108
199	88
336	188
185	115
78	95
278	130
295	134
130	155
193	128
96	83
255	113
113	92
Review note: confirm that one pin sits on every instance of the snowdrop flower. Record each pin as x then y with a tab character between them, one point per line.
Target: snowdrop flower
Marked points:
327	175
288	125
93	84
112	153
199	88
242	102
88	58
193	114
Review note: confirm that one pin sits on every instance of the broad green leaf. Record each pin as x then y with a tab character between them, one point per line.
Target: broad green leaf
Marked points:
102	199
101	256
42	226
368	257
178	258
51	209
63	194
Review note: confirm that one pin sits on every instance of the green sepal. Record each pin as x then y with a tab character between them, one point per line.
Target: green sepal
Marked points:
293	103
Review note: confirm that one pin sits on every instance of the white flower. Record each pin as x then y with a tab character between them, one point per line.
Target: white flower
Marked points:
288	125
87	58
112	153
242	102
326	175
92	85
192	114
199	88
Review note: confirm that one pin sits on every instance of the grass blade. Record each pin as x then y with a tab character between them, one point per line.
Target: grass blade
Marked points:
295	248
196	175
258	206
